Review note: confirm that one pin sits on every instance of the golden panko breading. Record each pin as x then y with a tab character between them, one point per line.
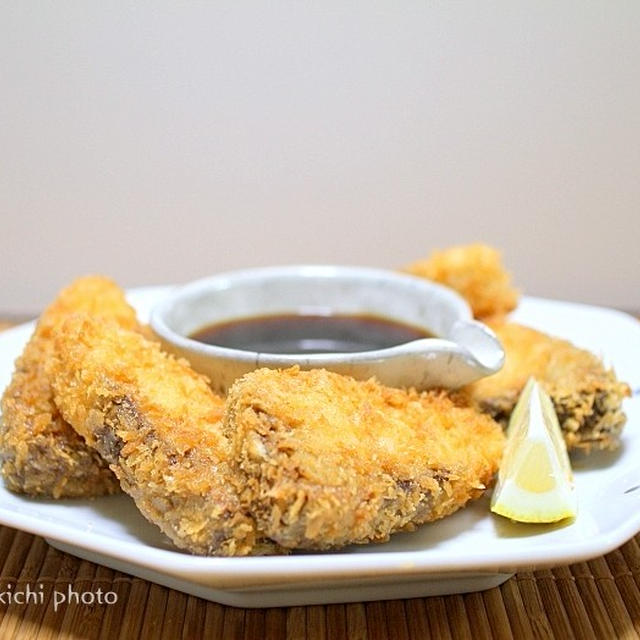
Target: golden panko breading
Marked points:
587	397
158	424
41	454
476	272
327	460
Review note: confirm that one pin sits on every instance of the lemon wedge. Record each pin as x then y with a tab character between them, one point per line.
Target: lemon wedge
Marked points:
535	483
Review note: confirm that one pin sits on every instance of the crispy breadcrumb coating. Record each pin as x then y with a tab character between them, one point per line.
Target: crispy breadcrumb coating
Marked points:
327	460
158	425
41	454
587	397
476	272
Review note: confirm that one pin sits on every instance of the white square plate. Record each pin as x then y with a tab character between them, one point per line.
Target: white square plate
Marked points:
468	551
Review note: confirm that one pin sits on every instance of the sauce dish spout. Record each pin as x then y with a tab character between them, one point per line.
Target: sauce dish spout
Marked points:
481	342
473	352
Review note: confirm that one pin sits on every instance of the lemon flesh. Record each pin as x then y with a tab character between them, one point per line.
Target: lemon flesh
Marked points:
535	483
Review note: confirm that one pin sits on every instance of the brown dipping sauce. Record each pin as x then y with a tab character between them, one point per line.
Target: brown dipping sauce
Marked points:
306	334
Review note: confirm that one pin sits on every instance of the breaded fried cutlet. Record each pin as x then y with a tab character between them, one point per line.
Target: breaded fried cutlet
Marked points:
41	454
158	425
327	461
476	272
587	397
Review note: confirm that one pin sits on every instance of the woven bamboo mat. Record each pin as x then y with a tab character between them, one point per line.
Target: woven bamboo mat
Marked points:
595	599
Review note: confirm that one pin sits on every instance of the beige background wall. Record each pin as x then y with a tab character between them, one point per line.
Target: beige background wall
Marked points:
161	144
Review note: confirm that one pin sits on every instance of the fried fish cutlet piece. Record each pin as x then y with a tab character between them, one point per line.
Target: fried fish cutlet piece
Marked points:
476	272
41	454
158	425
587	397
328	461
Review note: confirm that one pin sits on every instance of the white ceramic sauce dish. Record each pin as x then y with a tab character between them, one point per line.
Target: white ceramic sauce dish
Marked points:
463	351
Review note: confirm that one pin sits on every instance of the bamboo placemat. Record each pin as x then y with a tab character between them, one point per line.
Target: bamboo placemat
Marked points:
595	599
